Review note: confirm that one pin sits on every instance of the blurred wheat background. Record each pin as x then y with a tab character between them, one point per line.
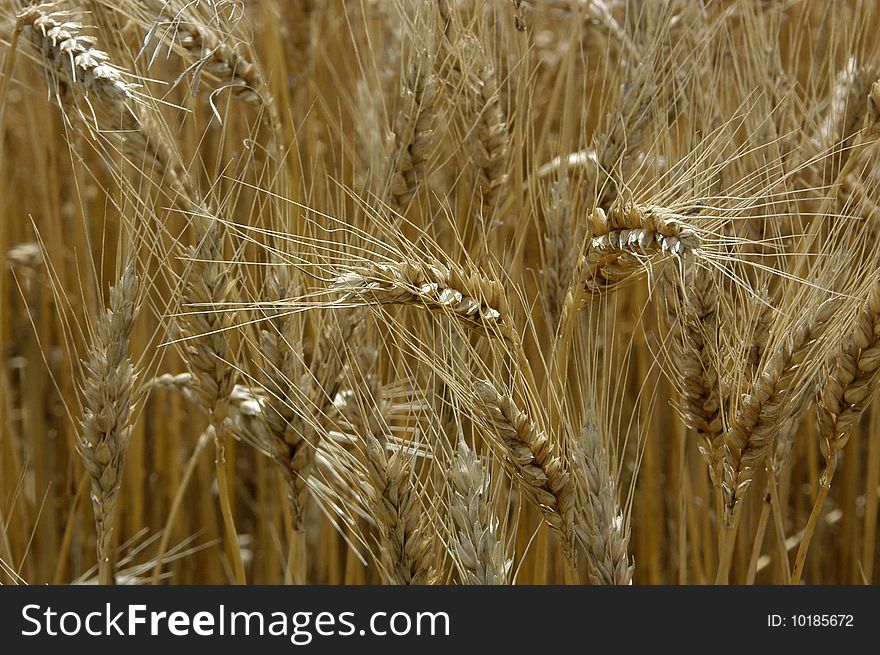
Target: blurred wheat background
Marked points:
439	292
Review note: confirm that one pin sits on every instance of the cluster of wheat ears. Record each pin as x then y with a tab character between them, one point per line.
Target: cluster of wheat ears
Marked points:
439	291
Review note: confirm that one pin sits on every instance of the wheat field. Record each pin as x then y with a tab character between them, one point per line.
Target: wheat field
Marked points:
439	292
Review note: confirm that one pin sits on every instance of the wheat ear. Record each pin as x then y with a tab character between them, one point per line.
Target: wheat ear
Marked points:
625	239
851	383
108	401
207	286
846	113
849	388
698	351
536	465
604	530
752	434
291	435
560	249
242	76
477	541
775	396
414	133
492	134
71	53
470	298
405	555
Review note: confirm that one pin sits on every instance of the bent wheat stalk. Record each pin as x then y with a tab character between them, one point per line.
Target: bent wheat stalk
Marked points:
624	241
113	105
